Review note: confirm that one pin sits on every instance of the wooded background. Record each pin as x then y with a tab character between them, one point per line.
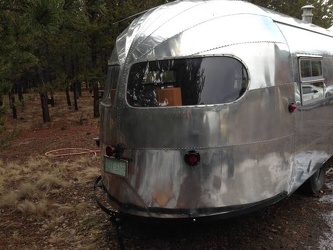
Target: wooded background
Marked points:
49	44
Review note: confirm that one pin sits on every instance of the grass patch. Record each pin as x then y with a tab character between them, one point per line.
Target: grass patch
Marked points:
9	200
40	208
33	187
48	183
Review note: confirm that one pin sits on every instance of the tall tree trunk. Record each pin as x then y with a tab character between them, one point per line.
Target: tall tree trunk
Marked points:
68	98
75	96
77	74
20	94
45	107
12	104
52	102
43	97
96	99
79	87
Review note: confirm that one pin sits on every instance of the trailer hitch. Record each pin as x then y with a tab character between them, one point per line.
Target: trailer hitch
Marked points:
114	217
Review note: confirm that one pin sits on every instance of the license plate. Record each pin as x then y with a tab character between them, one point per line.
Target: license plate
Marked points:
115	166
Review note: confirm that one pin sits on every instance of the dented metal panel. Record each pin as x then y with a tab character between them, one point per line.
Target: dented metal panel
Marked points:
251	149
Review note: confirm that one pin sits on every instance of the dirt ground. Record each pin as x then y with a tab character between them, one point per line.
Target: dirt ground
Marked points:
298	222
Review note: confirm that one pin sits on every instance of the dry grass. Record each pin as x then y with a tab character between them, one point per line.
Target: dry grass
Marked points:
29	187
49	183
53	199
41	208
45	202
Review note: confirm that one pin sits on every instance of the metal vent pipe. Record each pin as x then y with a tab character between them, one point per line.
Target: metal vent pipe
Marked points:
307	13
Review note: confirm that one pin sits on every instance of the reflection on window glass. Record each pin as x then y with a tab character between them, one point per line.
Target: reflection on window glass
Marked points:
310	68
111	83
157	76
312	81
312	92
190	81
316	68
305	69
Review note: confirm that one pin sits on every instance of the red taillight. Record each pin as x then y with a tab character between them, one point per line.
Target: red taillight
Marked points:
292	107
109	151
192	158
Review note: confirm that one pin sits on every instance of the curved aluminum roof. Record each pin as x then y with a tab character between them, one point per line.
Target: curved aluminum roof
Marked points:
166	22
191	27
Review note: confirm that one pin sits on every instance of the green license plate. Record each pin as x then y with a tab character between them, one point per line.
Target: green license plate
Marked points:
115	166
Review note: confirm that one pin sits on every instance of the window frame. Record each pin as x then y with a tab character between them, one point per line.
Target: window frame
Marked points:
315	82
111	84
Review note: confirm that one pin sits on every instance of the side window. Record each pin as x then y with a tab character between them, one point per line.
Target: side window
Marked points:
312	81
111	84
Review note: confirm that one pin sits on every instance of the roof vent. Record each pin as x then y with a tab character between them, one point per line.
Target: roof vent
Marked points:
307	13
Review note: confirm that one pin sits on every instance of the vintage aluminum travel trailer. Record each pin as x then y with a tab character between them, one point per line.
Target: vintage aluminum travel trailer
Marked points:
214	108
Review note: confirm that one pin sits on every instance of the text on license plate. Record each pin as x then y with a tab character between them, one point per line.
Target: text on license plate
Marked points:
115	166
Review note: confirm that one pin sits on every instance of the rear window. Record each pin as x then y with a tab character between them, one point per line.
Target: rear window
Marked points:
190	81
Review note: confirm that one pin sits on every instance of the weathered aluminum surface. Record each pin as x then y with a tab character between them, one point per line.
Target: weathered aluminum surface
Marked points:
313	125
251	149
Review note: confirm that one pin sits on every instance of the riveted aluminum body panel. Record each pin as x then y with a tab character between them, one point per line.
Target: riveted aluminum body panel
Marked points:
251	149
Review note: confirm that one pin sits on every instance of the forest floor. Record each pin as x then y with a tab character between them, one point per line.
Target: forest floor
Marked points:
47	201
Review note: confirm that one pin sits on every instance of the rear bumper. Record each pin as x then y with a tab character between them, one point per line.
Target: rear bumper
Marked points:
116	208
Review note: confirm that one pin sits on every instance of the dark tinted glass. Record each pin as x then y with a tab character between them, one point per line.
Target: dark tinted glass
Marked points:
190	81
111	83
310	68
